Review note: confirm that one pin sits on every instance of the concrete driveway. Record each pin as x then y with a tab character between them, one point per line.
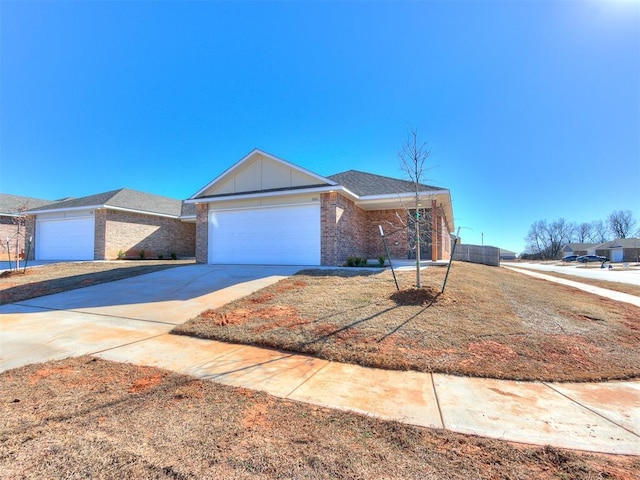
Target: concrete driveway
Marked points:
96	318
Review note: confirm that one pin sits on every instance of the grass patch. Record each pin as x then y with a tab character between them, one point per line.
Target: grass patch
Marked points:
490	322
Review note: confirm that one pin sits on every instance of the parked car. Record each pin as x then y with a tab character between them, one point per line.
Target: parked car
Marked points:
570	258
591	258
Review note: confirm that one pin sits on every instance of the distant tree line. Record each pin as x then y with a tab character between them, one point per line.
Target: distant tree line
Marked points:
546	239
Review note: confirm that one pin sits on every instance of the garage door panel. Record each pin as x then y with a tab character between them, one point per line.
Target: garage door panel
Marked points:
275	235
65	239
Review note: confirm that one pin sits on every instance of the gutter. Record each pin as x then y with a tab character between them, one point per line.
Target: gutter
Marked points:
96	207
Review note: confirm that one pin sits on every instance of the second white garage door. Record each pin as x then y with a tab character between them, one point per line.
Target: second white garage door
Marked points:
283	235
65	239
617	254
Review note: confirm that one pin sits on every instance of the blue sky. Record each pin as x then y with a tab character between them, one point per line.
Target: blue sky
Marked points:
531	109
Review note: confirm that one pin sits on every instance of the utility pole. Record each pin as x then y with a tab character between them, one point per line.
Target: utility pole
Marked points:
418	245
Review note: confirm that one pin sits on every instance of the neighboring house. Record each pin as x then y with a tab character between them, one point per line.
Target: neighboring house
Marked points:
102	226
619	250
507	254
12	222
576	249
265	210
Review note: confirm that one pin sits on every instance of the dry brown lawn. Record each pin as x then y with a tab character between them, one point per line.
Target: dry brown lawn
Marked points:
490	322
88	418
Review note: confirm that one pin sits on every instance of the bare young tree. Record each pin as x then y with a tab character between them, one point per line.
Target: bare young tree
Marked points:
546	239
413	156
621	223
17	240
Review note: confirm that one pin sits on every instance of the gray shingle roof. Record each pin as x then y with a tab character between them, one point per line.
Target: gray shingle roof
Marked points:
364	184
188	209
123	198
11	204
620	242
579	246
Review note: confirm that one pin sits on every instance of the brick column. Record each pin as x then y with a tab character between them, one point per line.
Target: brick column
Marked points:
30	232
328	229
100	233
202	233
434	230
440	237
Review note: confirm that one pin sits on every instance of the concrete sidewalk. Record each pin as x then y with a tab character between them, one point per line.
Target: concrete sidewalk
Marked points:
126	321
603	292
602	417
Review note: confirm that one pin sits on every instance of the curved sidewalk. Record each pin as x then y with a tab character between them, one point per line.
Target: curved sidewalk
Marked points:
596	417
128	321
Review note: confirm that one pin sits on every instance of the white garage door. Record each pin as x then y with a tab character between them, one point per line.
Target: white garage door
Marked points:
284	235
65	239
617	255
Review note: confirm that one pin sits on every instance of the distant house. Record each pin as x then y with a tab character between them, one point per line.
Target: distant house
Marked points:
576	249
102	226
11	209
507	254
618	250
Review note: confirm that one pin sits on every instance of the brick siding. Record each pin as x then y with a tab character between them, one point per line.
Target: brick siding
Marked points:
130	233
348	230
394	231
9	229
629	255
351	231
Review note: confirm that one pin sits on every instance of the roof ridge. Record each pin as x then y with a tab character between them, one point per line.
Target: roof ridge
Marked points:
385	177
140	192
113	194
367	173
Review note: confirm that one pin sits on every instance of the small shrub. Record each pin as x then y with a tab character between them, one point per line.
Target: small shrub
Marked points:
381	261
121	255
353	261
160	256
174	256
141	254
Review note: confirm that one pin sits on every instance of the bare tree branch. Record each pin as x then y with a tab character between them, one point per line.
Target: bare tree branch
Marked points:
621	223
413	156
